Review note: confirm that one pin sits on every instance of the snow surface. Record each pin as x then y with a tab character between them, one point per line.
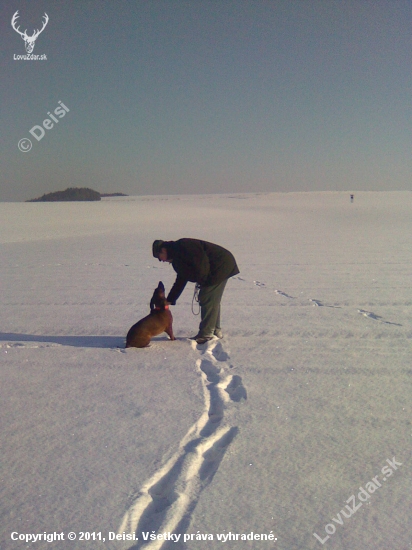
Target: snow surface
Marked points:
270	430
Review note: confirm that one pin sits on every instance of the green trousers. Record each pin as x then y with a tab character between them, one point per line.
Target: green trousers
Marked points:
209	301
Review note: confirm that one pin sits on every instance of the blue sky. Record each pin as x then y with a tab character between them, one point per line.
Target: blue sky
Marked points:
200	96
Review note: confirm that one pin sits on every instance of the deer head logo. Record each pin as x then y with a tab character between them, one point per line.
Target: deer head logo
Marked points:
28	40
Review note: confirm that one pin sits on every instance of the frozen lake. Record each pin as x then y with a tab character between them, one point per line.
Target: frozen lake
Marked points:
269	431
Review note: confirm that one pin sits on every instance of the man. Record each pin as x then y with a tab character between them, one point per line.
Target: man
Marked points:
207	264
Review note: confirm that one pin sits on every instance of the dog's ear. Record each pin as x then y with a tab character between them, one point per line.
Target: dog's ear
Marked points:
161	286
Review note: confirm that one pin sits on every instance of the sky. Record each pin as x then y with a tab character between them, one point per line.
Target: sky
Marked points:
224	96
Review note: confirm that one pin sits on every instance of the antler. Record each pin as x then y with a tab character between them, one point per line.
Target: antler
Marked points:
36	34
24	34
13	24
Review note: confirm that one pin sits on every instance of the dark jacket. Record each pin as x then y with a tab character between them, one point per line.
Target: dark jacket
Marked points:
199	262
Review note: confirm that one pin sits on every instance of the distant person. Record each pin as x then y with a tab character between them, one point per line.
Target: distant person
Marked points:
207	264
352	197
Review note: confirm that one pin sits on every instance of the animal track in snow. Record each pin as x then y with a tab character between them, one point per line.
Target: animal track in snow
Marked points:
375	317
320	304
167	499
283	294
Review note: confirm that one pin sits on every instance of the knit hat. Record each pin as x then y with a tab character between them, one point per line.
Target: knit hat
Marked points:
156	248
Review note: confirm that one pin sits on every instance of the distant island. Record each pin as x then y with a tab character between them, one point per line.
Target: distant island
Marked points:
75	194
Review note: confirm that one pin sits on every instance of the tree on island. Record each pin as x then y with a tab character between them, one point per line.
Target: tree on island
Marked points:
70	194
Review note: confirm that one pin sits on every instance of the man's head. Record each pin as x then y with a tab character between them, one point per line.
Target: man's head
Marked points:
160	251
156	248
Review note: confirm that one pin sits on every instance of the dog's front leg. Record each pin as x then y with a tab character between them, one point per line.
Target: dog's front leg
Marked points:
169	330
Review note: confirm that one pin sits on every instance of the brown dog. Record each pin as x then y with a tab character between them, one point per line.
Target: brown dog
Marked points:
159	320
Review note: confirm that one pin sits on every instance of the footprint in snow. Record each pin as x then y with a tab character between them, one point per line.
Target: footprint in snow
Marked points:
236	389
320	304
283	294
375	317
219	353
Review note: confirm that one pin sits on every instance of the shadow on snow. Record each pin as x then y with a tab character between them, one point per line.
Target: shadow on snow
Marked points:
76	341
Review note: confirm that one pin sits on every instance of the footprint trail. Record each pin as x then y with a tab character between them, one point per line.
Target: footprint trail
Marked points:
166	501
319	303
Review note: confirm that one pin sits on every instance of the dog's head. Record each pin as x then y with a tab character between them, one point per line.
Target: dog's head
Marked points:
158	299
